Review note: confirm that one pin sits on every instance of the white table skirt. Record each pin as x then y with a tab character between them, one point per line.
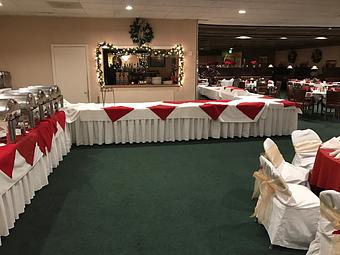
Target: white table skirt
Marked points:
278	122
14	200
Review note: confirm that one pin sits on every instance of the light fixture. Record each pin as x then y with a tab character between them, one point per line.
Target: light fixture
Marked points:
290	67
270	66
314	67
128	7
242	11
1	4
230	51
125	57
283	38
243	37
320	38
330	28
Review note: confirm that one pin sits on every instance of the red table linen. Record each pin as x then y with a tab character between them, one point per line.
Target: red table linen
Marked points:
116	112
251	109
213	110
326	171
162	111
7	157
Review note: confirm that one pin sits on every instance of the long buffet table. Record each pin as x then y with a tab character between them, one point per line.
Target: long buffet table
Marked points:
26	165
178	121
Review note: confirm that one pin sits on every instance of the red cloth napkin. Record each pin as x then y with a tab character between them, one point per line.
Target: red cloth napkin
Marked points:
287	103
26	146
116	112
251	109
213	110
267	97
162	111
45	130
7	157
61	118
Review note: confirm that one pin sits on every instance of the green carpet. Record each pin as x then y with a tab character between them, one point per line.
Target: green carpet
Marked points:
152	199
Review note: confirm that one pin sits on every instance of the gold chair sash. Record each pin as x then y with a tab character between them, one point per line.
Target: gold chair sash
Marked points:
268	187
274	155
333	216
307	146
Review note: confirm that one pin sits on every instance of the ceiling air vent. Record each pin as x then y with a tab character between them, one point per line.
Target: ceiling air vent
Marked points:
65	5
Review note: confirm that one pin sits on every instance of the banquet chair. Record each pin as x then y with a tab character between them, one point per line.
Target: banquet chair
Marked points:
306	103
332	102
327	239
306	144
275	91
289	172
290	92
242	85
289	212
262	87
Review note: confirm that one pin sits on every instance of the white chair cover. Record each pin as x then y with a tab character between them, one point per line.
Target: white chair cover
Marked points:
325	242
306	144
289	212
289	172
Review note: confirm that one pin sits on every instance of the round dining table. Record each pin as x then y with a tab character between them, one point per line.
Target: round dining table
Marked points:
326	171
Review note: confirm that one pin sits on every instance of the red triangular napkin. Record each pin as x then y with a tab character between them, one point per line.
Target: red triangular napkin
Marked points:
162	111
116	112
251	109
287	103
26	146
213	110
7	157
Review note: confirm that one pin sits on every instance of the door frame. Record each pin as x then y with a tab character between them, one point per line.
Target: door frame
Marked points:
86	65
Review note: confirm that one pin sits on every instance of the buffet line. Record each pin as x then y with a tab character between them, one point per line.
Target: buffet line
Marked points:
34	138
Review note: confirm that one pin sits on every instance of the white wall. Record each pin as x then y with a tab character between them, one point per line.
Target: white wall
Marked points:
25	48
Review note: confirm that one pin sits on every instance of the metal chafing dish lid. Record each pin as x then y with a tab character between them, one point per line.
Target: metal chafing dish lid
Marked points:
23	98
9	109
51	90
40	96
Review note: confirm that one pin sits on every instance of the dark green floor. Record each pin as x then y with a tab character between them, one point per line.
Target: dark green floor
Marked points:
155	199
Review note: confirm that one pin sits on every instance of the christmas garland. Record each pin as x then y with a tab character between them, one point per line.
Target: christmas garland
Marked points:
141	32
317	56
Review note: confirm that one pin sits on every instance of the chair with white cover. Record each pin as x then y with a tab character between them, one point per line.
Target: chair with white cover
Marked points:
289	172
306	144
289	212
327	239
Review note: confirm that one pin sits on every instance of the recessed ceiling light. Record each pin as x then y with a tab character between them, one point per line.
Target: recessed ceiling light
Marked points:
330	28
320	38
283	38
1	4
242	11
128	7
243	37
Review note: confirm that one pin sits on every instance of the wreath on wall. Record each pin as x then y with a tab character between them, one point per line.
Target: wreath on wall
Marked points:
316	55
292	56
141	32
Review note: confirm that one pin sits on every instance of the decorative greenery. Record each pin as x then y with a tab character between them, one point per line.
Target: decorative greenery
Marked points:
141	32
292	56
142	50
317	56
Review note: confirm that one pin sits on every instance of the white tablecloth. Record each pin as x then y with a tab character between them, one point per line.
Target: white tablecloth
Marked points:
94	127
15	193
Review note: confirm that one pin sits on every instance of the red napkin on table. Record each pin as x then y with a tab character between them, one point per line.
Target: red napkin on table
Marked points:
162	111
116	112
213	110
26	146
7	157
251	109
61	118
287	103
267	97
45	131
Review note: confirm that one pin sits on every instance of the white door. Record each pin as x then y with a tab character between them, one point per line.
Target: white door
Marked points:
70	71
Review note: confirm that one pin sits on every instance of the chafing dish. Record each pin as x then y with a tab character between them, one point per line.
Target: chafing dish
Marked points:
9	117
44	105
53	92
27	105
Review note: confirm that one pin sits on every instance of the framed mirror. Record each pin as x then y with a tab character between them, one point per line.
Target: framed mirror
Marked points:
139	66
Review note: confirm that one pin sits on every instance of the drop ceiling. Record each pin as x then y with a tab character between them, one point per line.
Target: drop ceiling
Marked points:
222	37
259	12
